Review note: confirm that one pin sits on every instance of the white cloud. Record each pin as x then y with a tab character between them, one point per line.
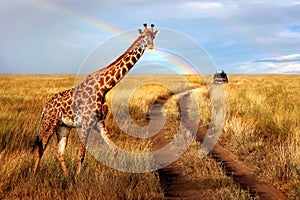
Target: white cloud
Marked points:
182	9
288	34
278	64
281	58
231	31
203	9
288	57
203	5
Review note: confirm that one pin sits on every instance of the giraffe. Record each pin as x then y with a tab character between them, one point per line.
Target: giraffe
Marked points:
84	105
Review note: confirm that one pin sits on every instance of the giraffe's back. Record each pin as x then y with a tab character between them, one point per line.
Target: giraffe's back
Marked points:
59	108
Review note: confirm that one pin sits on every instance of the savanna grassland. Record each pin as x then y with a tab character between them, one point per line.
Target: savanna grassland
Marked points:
261	128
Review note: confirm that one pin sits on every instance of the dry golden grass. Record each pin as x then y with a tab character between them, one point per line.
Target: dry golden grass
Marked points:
262	128
22	99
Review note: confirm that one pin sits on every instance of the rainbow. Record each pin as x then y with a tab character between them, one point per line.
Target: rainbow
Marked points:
169	60
179	64
165	58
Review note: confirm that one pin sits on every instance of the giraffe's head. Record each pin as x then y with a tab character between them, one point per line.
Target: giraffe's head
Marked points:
149	34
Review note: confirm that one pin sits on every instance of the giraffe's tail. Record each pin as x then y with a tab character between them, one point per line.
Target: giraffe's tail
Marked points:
36	143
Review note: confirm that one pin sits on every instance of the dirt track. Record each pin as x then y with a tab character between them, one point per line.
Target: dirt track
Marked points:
178	186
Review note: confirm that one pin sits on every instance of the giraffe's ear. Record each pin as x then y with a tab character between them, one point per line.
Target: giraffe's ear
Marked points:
156	32
140	31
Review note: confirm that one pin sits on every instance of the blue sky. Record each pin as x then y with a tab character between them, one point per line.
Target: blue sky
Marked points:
39	36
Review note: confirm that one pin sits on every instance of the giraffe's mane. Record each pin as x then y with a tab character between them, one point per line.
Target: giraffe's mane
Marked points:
128	50
102	71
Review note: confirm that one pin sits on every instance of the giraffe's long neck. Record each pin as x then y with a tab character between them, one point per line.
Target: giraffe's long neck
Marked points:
101	81
114	72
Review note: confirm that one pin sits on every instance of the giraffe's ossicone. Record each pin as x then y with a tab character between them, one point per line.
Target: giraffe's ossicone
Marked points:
84	106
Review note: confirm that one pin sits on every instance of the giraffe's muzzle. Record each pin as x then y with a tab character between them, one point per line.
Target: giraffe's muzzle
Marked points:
151	46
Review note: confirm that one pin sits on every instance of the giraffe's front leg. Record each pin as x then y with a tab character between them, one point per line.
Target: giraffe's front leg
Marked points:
62	136
82	148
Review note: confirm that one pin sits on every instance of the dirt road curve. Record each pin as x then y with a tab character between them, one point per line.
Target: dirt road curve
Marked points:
241	173
178	186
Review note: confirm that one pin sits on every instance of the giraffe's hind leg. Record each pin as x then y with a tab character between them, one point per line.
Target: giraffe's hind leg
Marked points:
62	136
81	154
42	144
104	134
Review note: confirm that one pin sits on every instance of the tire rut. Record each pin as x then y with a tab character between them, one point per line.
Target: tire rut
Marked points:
177	185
